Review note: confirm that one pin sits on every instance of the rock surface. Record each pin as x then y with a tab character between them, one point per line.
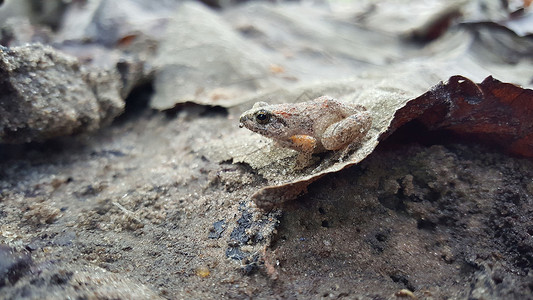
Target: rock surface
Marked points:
46	94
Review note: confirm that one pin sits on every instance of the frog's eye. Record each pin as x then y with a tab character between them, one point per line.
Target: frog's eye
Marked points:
262	117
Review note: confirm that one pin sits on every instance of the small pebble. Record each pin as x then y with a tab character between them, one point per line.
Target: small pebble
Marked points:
203	272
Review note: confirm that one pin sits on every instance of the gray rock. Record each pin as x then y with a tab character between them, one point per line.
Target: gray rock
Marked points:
45	94
134	68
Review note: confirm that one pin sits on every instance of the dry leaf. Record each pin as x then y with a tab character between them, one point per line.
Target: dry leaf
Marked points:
492	111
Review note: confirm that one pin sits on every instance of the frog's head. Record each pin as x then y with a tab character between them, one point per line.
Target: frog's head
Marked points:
262	120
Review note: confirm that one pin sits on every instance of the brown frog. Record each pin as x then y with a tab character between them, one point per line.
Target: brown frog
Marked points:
309	127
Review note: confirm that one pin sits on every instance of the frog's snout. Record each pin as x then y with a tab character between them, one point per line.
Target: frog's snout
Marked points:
241	121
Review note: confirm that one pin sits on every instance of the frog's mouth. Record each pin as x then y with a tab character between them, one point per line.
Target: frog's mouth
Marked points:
242	121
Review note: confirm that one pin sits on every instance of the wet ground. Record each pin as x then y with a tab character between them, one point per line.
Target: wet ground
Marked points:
159	204
135	208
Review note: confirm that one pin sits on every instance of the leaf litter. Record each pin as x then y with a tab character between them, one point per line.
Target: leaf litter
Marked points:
483	111
426	75
395	75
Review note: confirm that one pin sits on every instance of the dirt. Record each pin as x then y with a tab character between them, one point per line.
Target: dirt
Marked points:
442	221
132	200
159	205
134	207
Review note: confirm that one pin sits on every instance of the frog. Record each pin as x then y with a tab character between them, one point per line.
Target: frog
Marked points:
320	125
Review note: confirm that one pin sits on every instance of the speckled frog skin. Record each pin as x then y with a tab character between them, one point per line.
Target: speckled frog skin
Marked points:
309	127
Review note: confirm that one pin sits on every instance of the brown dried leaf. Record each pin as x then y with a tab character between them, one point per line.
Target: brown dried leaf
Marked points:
492	111
380	94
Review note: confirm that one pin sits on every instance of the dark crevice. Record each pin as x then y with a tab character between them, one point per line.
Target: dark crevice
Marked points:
136	103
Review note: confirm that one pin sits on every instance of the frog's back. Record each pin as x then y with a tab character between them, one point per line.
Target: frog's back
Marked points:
333	105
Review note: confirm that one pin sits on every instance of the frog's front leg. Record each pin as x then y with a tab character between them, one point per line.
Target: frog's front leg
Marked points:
305	145
350	130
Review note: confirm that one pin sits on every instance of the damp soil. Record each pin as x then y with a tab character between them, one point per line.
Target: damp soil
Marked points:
135	212
441	221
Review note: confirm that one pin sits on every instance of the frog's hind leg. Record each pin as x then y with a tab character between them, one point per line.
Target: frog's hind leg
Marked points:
350	130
